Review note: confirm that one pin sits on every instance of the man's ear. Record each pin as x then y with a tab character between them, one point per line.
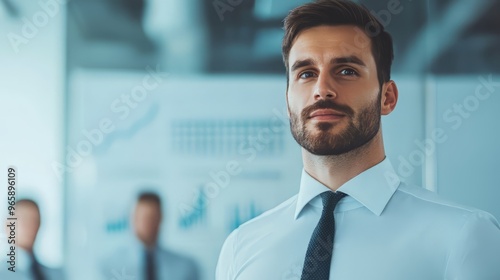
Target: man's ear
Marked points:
389	97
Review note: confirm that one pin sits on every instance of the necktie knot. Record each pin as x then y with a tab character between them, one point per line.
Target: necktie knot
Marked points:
149	255
330	199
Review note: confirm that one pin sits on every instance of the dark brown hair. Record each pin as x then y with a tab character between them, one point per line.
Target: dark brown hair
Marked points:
340	12
150	197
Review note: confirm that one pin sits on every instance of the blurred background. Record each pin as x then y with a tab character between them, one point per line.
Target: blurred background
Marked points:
103	99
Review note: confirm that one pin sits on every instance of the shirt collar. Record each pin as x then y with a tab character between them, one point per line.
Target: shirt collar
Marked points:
24	259
372	188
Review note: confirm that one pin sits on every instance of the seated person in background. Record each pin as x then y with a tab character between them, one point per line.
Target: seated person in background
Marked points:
148	261
27	266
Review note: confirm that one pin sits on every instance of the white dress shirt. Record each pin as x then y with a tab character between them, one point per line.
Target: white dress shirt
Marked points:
385	230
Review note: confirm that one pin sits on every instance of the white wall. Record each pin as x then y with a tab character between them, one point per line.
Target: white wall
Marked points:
468	161
31	108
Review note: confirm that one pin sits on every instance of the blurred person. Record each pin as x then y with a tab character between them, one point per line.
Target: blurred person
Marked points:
159	263
353	219
27	265
146	260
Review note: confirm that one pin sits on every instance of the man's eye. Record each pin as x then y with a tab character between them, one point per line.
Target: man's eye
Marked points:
348	72
307	74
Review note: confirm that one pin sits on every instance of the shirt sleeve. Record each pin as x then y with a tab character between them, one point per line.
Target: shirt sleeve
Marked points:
475	254
225	265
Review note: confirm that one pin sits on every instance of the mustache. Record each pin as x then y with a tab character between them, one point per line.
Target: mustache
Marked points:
326	104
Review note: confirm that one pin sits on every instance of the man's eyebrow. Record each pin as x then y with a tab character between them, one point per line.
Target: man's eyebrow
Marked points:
302	63
338	60
348	59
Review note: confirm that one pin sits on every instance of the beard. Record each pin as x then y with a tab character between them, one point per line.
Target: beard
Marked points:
321	141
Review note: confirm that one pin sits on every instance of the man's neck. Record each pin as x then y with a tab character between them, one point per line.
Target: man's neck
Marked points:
334	171
149	245
27	249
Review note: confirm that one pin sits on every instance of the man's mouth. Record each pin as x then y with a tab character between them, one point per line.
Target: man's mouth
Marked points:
326	115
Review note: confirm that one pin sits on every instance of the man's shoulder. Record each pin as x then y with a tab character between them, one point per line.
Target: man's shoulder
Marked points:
279	213
267	221
18	275
425	201
248	235
175	257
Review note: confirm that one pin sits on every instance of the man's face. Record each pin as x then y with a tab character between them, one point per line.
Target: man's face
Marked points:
147	218
28	218
333	94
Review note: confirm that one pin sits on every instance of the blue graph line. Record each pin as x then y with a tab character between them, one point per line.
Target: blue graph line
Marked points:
117	226
197	214
128	133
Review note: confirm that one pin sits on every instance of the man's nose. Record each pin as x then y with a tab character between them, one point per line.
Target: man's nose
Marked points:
324	88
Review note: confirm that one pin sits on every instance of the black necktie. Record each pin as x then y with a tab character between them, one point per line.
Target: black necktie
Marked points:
150	265
36	269
319	251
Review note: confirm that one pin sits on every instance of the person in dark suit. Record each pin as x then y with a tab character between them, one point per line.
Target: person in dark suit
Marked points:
145	259
27	265
159	263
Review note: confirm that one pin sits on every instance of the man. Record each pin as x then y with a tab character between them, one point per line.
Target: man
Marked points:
353	219
146	260
27	265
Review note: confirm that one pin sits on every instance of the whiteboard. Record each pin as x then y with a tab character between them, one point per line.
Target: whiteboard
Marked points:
217	148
